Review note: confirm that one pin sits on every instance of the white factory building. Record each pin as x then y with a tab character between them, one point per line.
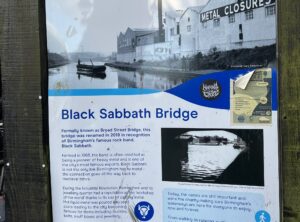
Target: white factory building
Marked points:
172	31
189	31
218	25
232	24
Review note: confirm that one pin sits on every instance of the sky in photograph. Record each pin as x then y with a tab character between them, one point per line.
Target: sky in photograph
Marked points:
93	25
220	133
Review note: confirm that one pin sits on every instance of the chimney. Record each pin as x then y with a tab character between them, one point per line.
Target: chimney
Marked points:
160	22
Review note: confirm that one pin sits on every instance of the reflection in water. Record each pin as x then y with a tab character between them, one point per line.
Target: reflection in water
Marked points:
206	163
96	76
66	77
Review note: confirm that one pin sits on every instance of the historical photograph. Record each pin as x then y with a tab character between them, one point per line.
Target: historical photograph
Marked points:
219	156
111	44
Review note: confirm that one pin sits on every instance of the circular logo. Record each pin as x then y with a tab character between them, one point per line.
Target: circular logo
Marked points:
143	211
262	216
241	119
210	89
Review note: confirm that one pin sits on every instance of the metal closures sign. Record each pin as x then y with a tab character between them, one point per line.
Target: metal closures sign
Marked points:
231	9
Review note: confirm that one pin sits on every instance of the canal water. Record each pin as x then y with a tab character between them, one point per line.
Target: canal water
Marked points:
205	163
66	77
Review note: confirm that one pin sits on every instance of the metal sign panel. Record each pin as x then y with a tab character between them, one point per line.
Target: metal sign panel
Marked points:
149	124
238	7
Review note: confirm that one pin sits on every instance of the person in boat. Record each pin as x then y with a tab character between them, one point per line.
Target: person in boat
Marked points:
79	61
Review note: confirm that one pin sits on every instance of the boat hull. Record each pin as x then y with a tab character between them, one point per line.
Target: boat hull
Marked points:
90	68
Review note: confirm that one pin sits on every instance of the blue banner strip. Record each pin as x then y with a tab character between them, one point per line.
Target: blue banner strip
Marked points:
191	90
99	92
275	90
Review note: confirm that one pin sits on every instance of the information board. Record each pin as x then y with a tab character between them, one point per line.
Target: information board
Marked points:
158	115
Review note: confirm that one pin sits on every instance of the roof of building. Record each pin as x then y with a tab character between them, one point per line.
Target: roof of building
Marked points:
196	9
213	4
143	30
174	14
138	31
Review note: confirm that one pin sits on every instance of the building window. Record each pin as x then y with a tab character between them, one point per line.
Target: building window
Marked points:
189	28
204	25
241	36
270	10
189	19
178	28
231	18
249	15
216	22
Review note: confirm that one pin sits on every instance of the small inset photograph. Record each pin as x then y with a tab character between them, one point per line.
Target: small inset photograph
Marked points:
219	156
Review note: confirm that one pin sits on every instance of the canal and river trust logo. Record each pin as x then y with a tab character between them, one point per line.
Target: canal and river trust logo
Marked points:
210	89
144	211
